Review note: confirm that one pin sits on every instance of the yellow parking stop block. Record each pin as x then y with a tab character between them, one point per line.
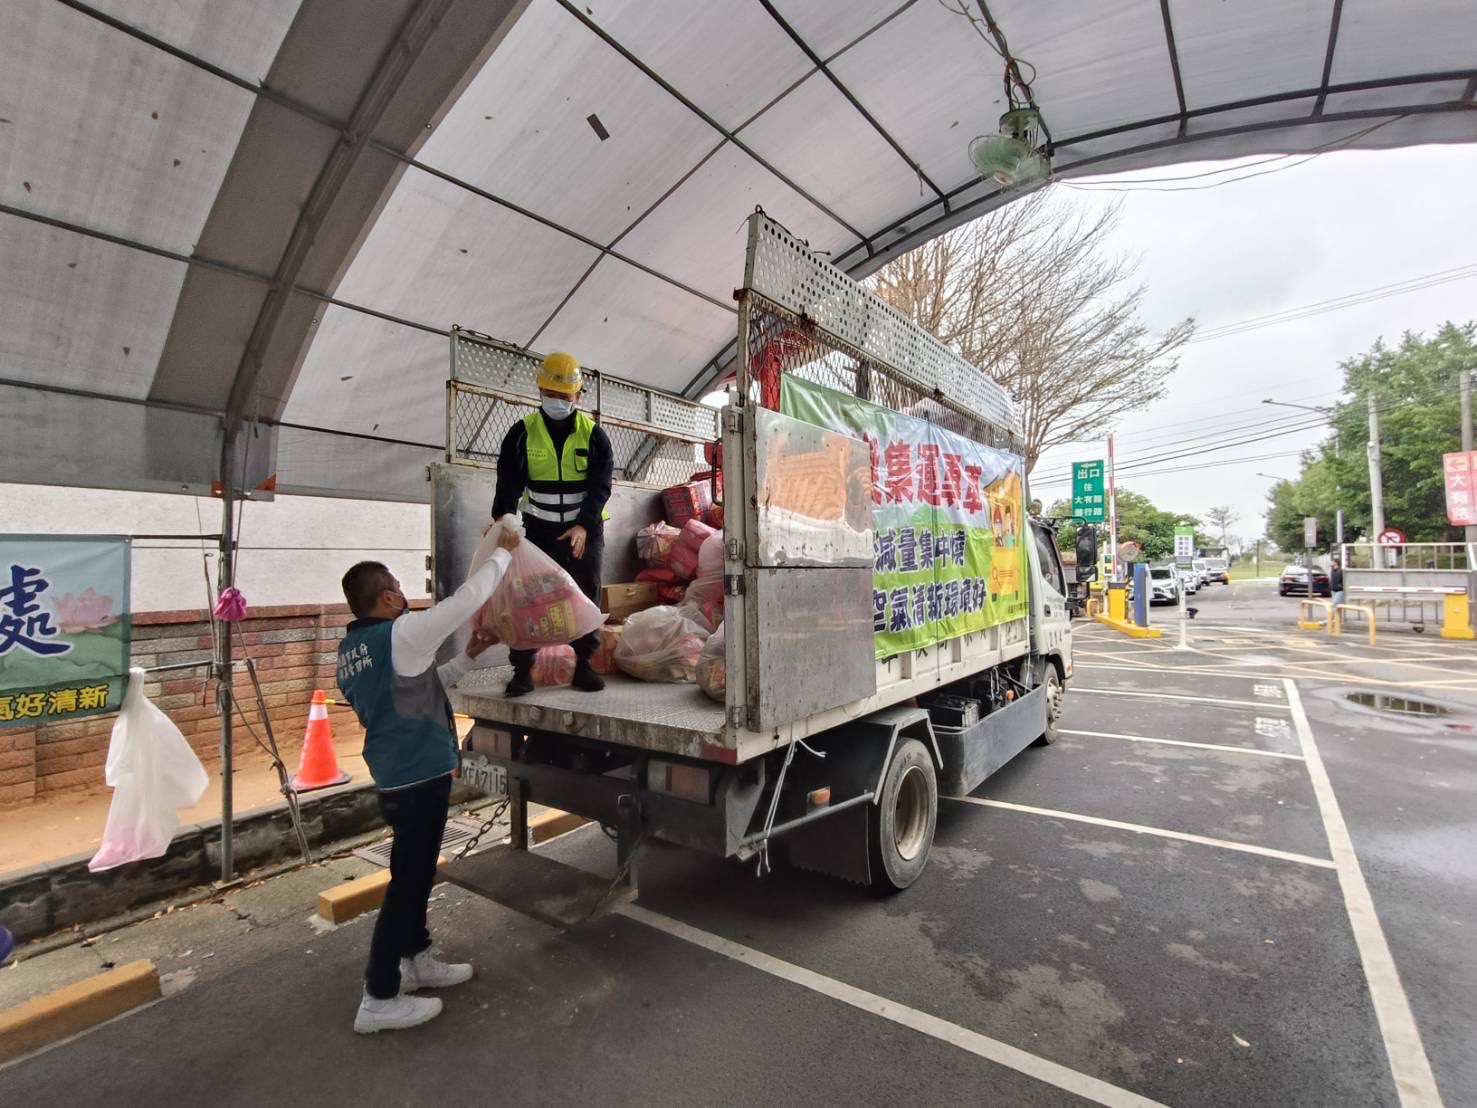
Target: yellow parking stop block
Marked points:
75	1008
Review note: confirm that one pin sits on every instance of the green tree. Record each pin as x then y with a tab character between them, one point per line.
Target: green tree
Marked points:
1138	521
1314	493
1414	387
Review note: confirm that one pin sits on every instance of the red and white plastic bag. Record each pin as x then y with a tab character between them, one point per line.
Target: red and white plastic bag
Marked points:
703	602
537	603
660	644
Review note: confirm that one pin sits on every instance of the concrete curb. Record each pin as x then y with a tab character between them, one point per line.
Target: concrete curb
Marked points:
56	1015
62	894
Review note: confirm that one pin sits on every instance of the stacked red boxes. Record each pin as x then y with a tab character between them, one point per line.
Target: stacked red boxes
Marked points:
681	503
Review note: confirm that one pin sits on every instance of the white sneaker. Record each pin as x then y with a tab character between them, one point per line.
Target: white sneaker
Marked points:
395	1014
425	972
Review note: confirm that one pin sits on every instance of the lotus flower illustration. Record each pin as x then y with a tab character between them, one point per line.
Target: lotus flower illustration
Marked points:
88	612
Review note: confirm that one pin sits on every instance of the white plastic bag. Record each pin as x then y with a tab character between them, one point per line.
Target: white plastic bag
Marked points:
153	772
659	644
712	668
537	603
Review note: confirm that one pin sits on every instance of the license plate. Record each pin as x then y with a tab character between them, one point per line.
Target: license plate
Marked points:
484	776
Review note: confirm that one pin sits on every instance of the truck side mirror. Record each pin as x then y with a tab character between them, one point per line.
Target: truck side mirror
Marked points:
1086	554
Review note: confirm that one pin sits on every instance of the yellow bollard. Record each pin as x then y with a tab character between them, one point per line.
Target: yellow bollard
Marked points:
1304	606
1366	610
1118	603
1456	618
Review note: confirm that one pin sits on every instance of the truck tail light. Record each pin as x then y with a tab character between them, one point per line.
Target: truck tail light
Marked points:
682	781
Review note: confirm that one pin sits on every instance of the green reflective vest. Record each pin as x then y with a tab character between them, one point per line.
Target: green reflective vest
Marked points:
556	479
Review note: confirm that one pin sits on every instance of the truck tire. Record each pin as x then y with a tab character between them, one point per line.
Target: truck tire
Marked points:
1054	694
904	818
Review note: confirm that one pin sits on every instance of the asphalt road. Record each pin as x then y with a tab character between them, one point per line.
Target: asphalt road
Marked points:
1226	884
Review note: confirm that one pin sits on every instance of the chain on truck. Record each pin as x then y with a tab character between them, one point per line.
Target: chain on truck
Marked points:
896	626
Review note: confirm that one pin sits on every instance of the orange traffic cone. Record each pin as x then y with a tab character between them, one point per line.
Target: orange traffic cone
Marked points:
319	768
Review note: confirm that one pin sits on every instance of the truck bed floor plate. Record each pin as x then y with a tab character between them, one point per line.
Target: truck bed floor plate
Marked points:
534	885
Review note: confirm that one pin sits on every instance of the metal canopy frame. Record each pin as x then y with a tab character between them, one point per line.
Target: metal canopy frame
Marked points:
946	207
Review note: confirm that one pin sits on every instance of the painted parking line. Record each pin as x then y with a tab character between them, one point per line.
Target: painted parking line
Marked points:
1180	696
1182	742
982	1046
1409	1065
1138	828
1228	665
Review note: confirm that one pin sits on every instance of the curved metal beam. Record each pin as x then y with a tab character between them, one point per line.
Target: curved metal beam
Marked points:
394	67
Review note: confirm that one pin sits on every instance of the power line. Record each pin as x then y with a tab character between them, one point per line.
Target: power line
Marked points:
1213	446
1150	184
1349	300
1245	459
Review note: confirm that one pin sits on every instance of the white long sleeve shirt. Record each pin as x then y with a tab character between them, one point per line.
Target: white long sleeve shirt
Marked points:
417	636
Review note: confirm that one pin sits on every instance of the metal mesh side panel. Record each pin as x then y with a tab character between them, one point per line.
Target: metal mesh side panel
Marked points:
782	269
656	437
479	422
490	364
781	343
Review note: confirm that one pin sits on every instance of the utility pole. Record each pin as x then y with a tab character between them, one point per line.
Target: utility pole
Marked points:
1112	515
1466	382
1376	484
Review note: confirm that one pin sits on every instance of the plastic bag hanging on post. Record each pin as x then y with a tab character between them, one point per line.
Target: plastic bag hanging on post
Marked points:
153	773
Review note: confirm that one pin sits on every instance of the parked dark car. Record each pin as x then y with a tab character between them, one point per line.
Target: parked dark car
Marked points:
1294	582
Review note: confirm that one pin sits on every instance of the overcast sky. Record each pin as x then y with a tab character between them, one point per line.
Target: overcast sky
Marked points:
1339	224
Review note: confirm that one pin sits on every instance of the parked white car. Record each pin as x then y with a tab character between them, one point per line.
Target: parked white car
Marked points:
1164	585
1202	570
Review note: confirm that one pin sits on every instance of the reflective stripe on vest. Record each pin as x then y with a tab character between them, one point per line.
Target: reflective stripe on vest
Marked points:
556	480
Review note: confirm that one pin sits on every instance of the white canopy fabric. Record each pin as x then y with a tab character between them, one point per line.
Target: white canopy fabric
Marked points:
223	210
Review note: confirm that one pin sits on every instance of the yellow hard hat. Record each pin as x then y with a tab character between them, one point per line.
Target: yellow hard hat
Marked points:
561	373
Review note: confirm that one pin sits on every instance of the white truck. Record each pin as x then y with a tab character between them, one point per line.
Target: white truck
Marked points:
881	649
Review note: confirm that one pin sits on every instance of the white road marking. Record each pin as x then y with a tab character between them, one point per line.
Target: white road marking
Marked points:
1273	728
1271	692
982	1046
1183	742
1216	669
1176	696
1161	832
1409	1066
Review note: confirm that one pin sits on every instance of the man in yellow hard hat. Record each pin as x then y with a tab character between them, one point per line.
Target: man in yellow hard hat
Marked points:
556	465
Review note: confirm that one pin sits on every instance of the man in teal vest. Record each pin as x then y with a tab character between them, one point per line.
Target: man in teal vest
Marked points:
555	465
387	671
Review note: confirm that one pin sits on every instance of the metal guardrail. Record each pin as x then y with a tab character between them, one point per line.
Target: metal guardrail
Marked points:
1410	582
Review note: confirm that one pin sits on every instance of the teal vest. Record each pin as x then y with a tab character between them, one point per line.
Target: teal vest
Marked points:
408	731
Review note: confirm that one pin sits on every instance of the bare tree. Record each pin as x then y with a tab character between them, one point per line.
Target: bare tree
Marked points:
1221	518
1030	294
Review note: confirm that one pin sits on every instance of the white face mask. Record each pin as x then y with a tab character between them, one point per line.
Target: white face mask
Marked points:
558	409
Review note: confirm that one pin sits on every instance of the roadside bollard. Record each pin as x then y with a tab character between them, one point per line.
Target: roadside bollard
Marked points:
1184	621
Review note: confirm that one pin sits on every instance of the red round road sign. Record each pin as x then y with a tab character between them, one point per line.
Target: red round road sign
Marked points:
1391	536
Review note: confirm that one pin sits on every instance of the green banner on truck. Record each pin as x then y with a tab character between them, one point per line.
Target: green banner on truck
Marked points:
948	521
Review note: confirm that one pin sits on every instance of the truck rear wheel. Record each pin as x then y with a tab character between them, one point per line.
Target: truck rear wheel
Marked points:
1054	695
904	818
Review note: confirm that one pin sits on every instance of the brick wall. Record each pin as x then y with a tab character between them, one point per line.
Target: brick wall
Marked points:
294	650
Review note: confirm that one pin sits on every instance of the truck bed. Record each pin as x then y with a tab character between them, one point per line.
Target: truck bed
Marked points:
671	718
